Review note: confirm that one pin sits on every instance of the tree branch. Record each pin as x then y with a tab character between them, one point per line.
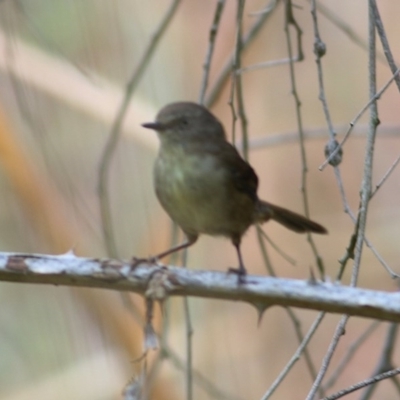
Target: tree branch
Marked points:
159	282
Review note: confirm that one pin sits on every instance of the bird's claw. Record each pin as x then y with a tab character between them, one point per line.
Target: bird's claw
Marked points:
149	260
241	274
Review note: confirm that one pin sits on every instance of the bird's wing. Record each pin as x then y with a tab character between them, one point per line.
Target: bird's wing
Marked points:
244	177
240	174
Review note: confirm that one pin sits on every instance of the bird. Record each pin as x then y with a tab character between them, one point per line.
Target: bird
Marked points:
204	184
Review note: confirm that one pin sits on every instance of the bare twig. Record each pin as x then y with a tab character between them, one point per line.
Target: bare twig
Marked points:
291	21
300	337
283	138
166	352
295	357
366	185
367	382
284	255
292	315
267	64
328	357
267	9
385	43
237	80
363	209
358	116
189	341
264	252
235	66
350	352
115	133
199	378
386	176
348	211
210	51
332	145
248	38
346	28
385	362
319	50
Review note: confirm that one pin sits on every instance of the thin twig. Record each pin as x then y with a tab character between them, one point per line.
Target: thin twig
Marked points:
348	211
363	209
211	46
237	86
343	196
292	315
283	138
385	43
346	28
167	353
300	337
267	64
267	9
362	384
264	252
366	184
223	76
340	329
358	116
319	51
189	350
284	255
210	388
386	176
189	341
318	46
385	265
350	352
295	357
385	363
115	133
290	20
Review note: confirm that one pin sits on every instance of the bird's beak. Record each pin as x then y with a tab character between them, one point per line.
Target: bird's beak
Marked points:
156	126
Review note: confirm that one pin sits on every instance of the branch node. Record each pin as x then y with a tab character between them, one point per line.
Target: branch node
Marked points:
319	48
333	152
161	282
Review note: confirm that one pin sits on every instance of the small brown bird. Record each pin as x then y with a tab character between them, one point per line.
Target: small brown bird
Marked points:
204	184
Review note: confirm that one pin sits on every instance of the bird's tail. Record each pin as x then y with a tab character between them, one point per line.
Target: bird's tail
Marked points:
291	220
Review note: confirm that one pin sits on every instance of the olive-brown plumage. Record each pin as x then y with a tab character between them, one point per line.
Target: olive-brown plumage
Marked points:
204	184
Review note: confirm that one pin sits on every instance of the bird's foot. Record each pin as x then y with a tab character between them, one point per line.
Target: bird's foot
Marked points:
135	262
241	274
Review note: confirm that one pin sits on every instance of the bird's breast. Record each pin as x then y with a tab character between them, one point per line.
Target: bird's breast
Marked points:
197	192
190	179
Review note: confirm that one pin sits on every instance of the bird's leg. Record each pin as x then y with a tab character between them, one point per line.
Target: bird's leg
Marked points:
191	239
241	270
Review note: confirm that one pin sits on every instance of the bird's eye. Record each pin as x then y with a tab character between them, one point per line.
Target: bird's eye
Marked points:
184	121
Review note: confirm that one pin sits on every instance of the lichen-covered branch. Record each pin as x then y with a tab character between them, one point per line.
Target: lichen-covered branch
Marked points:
159	282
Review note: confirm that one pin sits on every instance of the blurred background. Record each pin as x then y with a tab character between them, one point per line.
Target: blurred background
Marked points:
64	69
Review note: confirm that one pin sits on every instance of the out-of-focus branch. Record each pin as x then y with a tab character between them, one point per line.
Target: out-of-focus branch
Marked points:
116	131
97	98
223	75
159	282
